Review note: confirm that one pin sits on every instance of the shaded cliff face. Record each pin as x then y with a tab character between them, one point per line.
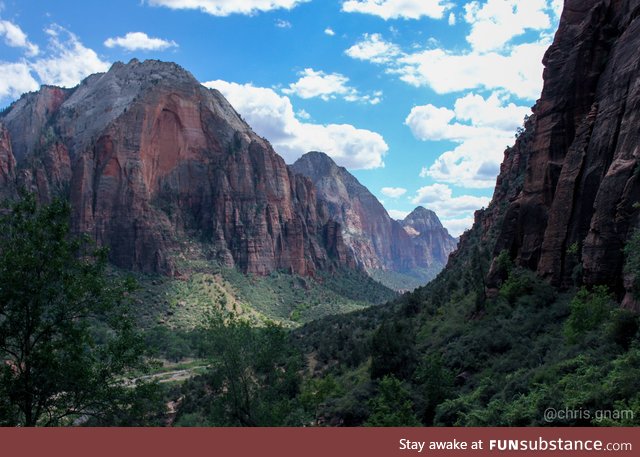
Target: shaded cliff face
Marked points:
376	241
150	158
572	182
432	242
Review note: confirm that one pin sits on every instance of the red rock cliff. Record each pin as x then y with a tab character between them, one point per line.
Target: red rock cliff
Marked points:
572	182
150	158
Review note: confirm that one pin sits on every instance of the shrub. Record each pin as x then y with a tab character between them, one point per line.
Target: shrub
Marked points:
589	309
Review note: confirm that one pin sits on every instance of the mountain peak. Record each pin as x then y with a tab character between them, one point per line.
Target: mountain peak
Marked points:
422	219
316	163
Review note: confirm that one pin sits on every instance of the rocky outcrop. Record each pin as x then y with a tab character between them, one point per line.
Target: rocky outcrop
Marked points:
377	241
578	165
432	242
150	158
7	164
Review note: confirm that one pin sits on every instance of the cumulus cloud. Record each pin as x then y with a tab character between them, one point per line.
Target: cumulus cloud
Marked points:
398	9
139	41
375	49
496	22
227	7
69	61
449	71
272	116
329	31
482	127
452	19
439	198
65	63
397	214
446	71
16	79
15	37
328	86
393	192
457	227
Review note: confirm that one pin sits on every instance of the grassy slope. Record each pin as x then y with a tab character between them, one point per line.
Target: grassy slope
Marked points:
290	300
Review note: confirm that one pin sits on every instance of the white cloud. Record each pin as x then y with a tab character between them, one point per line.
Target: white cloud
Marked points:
457	227
282	24
557	7
139	41
475	163
328	86
452	19
395	9
302	114
69	62
481	127
447	71
393	192
16	79
273	117
397	214
227	7
520	70
496	22
15	37
495	111
319	84
439	198
329	31
374	48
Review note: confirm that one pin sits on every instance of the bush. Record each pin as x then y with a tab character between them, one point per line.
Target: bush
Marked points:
589	309
632	262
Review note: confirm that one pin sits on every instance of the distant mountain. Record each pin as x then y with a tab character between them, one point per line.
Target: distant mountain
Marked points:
415	249
152	161
430	238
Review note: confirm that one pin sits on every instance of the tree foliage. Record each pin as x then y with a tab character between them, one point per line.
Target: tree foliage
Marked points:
632	262
253	381
392	407
65	338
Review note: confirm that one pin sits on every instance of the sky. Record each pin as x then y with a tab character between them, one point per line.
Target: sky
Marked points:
417	98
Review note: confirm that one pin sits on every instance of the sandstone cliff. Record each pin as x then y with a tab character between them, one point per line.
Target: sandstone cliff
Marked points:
150	158
566	199
377	241
432	243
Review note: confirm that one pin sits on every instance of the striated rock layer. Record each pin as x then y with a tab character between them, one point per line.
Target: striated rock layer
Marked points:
376	241
150	158
571	184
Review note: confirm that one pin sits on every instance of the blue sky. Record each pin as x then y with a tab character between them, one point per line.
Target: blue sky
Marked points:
417	98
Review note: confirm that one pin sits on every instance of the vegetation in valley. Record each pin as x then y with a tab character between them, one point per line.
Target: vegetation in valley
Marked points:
217	348
406	281
184	302
458	357
67	341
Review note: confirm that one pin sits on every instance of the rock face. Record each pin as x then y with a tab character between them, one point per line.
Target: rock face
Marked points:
432	242
376	241
151	158
572	182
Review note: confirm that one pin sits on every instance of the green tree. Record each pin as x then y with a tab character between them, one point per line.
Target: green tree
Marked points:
435	383
65	338
393	350
589	310
392	407
632	262
254	377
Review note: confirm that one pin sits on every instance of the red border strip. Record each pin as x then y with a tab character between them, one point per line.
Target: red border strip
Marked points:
288	442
